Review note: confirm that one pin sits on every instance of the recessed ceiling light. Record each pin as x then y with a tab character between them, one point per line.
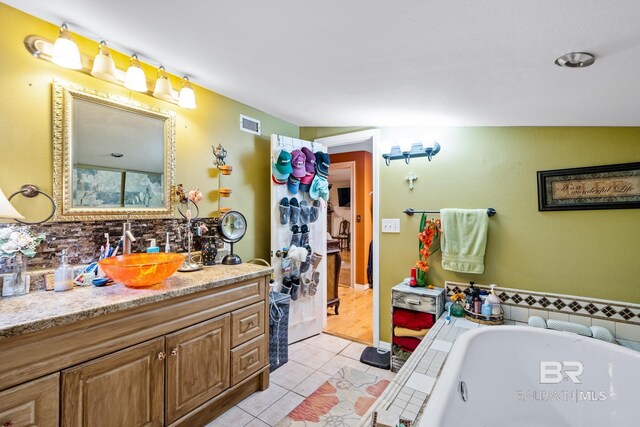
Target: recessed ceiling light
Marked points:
576	60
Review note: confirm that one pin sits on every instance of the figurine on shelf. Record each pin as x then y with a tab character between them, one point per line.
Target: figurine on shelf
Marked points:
220	154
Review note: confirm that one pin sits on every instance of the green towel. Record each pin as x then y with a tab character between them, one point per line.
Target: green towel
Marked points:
464	239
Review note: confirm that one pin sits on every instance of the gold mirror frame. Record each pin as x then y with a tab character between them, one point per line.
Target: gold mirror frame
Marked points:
63	95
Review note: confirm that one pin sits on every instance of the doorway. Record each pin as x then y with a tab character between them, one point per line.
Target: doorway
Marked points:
353	159
341	216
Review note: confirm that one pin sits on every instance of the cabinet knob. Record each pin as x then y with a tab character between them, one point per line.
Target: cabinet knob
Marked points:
162	355
174	352
250	360
250	325
413	301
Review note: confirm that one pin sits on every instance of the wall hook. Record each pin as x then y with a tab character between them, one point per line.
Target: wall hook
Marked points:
411	178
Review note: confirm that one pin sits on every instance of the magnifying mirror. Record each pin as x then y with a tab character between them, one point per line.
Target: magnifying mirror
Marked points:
232	227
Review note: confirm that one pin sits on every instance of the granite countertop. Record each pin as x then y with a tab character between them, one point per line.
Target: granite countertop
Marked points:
45	309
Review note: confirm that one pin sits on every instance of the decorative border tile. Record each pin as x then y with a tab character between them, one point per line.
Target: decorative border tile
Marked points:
573	305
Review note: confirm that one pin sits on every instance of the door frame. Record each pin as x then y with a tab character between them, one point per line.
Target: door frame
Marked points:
372	135
351	165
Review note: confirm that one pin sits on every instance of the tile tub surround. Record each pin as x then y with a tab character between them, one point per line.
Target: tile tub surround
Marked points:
621	318
82	240
411	388
42	310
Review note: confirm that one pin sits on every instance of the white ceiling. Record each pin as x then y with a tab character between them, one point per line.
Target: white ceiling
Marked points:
377	63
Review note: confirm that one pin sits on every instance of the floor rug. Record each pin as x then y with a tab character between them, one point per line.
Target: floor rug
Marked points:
340	401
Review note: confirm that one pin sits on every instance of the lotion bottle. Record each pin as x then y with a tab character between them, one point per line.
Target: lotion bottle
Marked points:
493	299
63	276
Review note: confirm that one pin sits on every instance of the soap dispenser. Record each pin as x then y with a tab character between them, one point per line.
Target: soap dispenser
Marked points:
63	276
153	247
494	300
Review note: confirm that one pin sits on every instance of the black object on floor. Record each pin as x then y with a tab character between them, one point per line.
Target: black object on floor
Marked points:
380	359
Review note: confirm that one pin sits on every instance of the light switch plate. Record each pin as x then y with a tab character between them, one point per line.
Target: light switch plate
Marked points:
391	225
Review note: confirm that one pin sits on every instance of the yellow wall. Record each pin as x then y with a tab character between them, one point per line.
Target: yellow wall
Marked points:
592	253
25	131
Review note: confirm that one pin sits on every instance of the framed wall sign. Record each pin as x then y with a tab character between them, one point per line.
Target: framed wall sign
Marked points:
596	187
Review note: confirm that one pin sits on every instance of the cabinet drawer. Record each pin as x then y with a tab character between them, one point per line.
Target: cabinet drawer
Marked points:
414	302
247	359
247	323
31	404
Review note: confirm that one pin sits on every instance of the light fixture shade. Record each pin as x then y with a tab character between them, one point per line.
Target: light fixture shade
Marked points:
65	51
103	66
135	78
163	89
187	98
7	211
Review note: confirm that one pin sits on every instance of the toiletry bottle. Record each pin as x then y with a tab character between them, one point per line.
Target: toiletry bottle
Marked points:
167	246
153	248
477	304
63	276
469	299
494	300
486	308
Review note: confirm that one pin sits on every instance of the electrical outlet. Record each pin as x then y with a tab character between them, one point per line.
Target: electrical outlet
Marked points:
391	225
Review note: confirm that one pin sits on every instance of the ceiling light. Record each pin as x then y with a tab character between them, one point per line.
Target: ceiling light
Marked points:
65	50
135	78
187	98
103	66
163	89
575	60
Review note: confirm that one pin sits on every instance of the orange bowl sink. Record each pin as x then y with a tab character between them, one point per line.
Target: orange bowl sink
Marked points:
140	270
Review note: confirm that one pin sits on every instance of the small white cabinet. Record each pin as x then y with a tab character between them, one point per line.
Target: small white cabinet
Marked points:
418	299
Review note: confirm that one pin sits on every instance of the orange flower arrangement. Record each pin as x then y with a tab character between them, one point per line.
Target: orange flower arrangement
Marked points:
431	232
458	296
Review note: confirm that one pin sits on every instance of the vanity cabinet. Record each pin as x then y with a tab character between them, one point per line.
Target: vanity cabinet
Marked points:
197	365
178	362
31	404
123	388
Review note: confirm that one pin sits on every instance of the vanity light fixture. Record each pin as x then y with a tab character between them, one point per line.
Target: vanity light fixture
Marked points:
417	150
163	89
187	98
135	78
65	50
103	66
7	211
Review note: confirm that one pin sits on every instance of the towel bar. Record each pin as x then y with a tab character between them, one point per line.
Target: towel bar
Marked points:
411	211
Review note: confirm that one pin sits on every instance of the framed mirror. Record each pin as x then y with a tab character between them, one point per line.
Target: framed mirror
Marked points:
111	156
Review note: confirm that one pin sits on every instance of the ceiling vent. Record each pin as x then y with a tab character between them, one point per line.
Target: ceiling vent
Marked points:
250	125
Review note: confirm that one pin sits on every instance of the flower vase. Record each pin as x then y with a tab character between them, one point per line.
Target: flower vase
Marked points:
457	309
421	278
17	281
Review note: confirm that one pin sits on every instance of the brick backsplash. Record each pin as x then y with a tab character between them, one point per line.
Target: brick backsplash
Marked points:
82	240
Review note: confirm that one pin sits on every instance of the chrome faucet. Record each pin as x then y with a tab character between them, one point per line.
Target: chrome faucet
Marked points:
127	237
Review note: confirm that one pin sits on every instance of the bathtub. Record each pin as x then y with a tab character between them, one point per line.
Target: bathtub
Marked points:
525	377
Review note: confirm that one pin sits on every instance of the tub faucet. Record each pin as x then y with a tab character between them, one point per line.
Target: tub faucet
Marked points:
127	236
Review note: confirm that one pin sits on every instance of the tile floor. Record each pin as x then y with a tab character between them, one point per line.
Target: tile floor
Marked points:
311	363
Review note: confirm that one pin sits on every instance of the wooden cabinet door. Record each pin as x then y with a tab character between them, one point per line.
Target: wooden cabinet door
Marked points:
197	365
122	389
34	404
